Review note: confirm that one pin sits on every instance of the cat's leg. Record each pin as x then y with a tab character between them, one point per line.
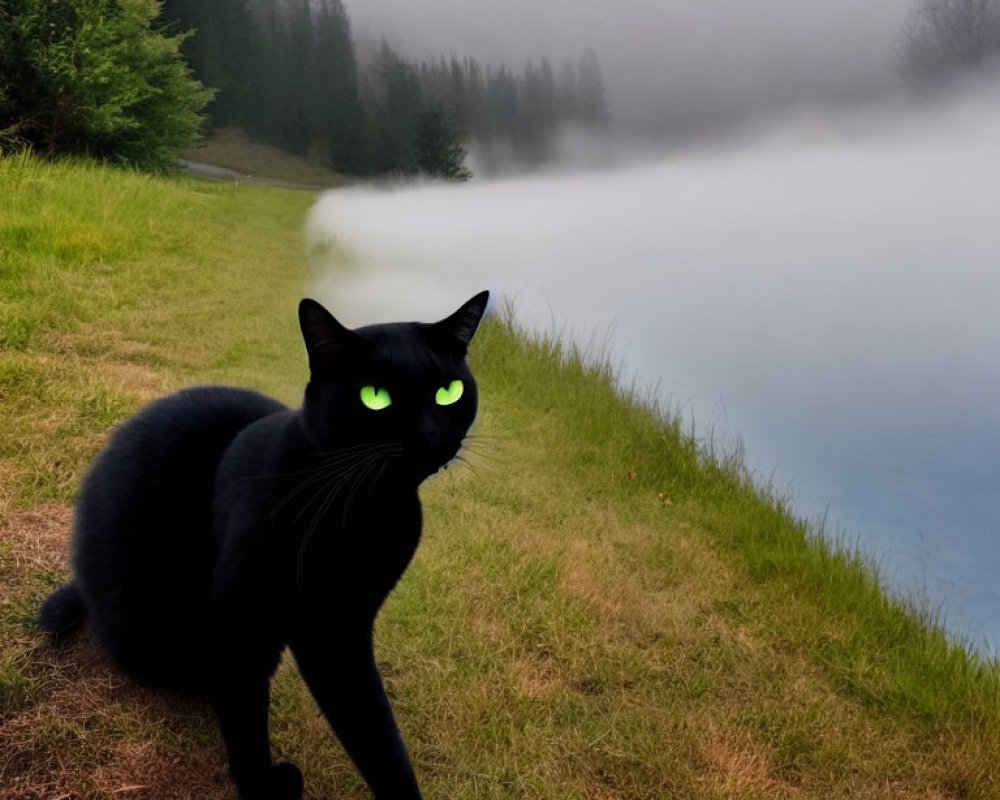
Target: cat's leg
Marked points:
241	679
340	670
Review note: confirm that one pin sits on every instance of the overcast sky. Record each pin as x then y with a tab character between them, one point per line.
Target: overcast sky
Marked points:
699	59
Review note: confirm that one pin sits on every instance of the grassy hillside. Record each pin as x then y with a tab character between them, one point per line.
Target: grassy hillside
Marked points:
598	611
263	163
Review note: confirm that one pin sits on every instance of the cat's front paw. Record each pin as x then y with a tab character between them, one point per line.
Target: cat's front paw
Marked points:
284	782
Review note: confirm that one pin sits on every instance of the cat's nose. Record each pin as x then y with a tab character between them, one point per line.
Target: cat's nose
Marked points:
429	446
427	433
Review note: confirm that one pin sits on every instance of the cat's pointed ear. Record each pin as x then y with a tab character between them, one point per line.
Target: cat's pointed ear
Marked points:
462	325
326	339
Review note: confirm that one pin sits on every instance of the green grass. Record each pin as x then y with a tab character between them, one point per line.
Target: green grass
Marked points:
600	609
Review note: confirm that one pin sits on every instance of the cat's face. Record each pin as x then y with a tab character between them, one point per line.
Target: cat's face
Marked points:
401	389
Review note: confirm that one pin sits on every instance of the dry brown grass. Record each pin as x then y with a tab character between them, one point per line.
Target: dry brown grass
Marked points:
109	355
39	538
88	731
95	734
738	766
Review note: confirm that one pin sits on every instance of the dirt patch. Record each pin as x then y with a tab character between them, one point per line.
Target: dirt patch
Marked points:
72	727
36	539
536	678
739	765
94	733
149	770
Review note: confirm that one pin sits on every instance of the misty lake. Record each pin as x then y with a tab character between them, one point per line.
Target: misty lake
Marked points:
827	292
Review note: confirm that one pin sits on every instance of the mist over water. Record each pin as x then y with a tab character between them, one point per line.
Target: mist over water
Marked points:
826	290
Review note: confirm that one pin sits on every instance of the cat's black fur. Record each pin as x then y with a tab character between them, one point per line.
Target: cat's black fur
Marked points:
218	526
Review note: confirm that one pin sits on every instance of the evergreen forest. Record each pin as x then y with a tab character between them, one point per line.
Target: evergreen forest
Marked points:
137	81
290	73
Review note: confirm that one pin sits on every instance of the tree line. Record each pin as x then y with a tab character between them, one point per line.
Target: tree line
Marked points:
507	114
135	80
288	72
944	39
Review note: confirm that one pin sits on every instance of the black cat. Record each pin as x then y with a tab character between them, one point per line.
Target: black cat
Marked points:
218	526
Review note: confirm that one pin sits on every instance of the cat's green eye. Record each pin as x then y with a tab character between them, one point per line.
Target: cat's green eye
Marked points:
449	394
375	399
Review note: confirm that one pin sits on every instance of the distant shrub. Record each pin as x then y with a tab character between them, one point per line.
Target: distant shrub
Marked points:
95	77
439	151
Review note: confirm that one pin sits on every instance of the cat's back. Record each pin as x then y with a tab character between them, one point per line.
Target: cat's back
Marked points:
142	542
167	454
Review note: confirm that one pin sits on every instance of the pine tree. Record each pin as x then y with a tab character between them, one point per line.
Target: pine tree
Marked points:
568	96
439	153
592	106
538	113
225	50
393	106
335	73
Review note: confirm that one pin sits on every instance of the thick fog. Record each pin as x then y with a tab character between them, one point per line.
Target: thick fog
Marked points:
671	64
827	291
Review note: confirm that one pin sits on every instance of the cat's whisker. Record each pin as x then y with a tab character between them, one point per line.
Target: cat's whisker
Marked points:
273	475
472	437
486	455
491	442
328	493
319	475
371	450
329	481
344	462
354	450
374	481
369	467
487	460
330	485
321	460
488	437
468	464
481	455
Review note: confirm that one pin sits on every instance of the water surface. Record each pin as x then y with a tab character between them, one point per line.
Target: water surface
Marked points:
827	291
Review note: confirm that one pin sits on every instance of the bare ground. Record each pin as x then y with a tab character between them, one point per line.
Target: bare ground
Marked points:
71	726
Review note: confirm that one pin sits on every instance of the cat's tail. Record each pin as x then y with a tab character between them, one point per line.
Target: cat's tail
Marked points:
63	612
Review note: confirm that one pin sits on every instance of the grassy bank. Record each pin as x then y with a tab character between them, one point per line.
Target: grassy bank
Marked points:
262	163
598	611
